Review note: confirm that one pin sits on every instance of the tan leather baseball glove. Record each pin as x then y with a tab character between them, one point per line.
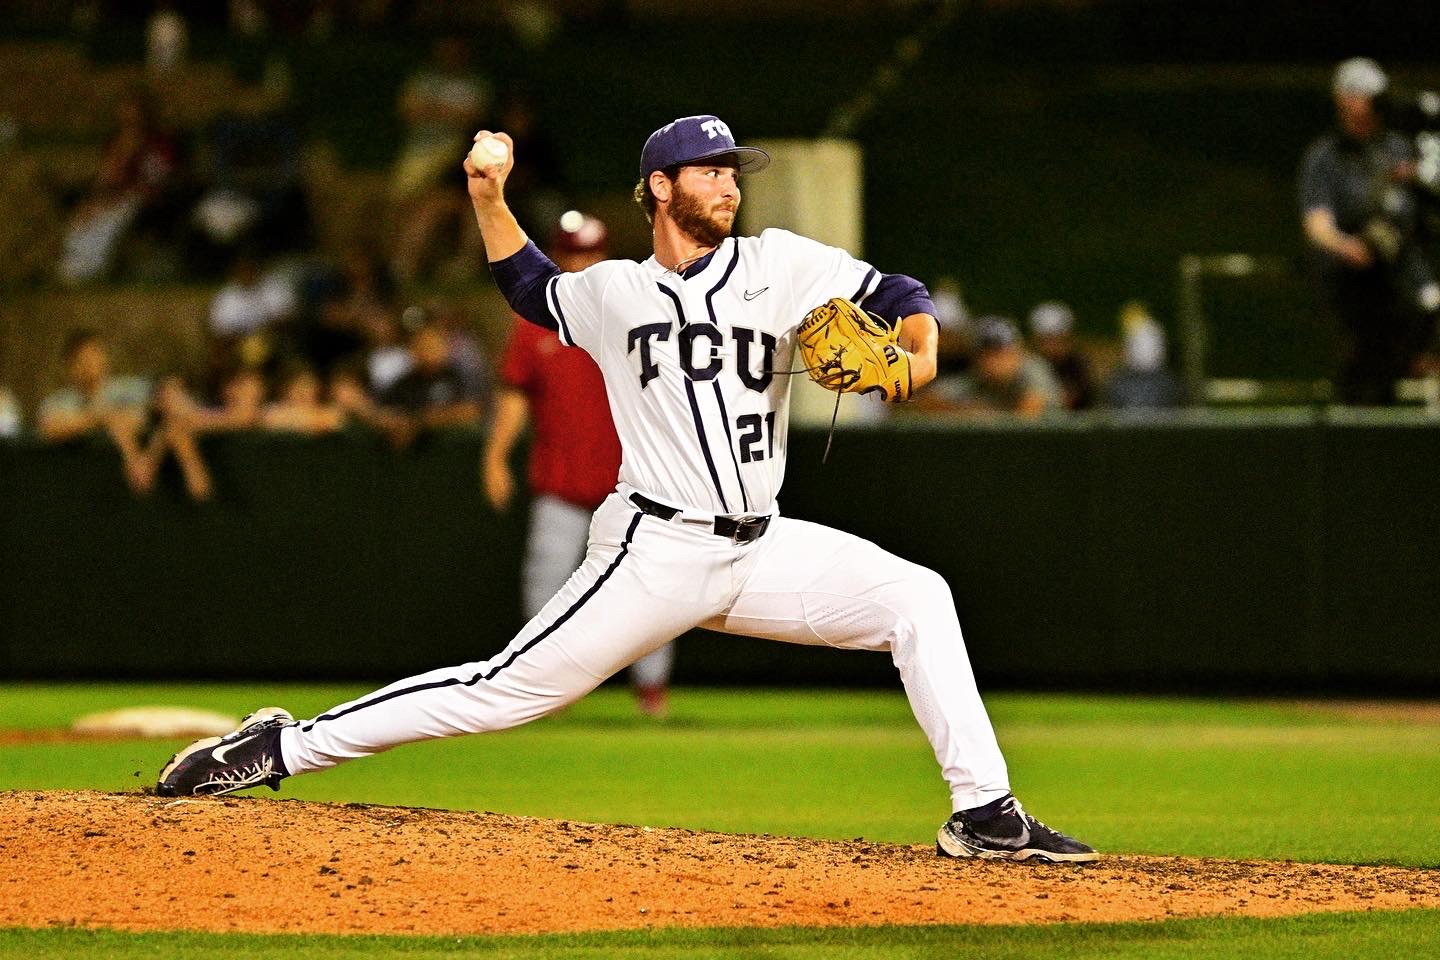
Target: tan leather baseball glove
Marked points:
849	351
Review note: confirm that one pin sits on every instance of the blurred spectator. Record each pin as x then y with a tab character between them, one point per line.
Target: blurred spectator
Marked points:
145	426
387	358
349	390
251	300
1052	331
9	414
955	350
136	189
1004	378
432	393
574	451
299	405
250	320
175	434
957	333
533	22
949	300
1143	382
1360	215
1427	364
442	105
247	19
534	188
167	40
94	403
345	304
242	394
466	354
254	170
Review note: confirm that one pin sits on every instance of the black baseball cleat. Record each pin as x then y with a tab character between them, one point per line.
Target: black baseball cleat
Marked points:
1002	830
247	757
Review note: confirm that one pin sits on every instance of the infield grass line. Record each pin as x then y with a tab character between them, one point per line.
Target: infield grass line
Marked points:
1332	936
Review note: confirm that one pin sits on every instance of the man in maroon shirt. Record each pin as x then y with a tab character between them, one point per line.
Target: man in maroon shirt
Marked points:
574	452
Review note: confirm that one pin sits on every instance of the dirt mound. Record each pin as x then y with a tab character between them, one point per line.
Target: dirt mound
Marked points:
256	864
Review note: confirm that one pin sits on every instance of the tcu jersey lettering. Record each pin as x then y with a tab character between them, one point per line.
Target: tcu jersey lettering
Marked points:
709	349
743	339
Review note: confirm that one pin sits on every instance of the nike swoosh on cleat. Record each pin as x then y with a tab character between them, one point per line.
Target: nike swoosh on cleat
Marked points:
1008	843
751	296
218	754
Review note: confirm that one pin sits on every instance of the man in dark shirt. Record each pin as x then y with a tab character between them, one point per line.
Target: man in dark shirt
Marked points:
1359	212
433	393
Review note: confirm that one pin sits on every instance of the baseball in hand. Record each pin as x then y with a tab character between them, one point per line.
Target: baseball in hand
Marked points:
489	152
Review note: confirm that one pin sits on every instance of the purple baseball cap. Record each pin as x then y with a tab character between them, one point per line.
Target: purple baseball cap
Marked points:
691	139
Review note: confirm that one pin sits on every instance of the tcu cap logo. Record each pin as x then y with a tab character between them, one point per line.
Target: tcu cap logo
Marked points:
715	127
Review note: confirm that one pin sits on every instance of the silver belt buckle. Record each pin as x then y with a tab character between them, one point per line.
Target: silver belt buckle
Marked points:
743	526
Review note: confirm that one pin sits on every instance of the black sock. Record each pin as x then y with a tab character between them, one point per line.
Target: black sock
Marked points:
277	757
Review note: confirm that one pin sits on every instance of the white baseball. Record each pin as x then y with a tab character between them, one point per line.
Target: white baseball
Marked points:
489	152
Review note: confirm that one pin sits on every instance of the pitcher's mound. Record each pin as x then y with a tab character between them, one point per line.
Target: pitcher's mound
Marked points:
257	864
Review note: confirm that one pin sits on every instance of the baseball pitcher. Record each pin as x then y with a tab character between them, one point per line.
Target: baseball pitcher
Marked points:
691	344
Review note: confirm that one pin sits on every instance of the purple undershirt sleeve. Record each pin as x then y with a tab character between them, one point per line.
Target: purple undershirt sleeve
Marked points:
898	296
521	278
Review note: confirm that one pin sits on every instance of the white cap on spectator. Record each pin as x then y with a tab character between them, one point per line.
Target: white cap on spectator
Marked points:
1145	346
950	310
1360	76
1052	319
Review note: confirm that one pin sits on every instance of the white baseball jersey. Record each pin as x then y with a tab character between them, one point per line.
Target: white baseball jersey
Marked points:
694	367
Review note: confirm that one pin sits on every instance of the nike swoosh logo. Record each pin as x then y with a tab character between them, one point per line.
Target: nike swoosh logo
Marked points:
218	754
751	296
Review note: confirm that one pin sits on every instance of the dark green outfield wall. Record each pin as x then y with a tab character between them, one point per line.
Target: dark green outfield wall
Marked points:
1296	551
321	558
1290	551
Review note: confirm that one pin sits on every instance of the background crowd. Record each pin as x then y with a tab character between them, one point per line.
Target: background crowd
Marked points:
375	334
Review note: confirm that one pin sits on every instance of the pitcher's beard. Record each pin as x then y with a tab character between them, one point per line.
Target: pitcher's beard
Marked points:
691	217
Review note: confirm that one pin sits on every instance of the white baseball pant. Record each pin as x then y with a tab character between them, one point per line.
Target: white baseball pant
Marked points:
559	531
646	580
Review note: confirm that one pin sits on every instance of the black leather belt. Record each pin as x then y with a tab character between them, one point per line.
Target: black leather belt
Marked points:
740	531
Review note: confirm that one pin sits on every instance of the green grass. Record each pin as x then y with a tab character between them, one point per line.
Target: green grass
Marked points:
1212	778
1342	936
